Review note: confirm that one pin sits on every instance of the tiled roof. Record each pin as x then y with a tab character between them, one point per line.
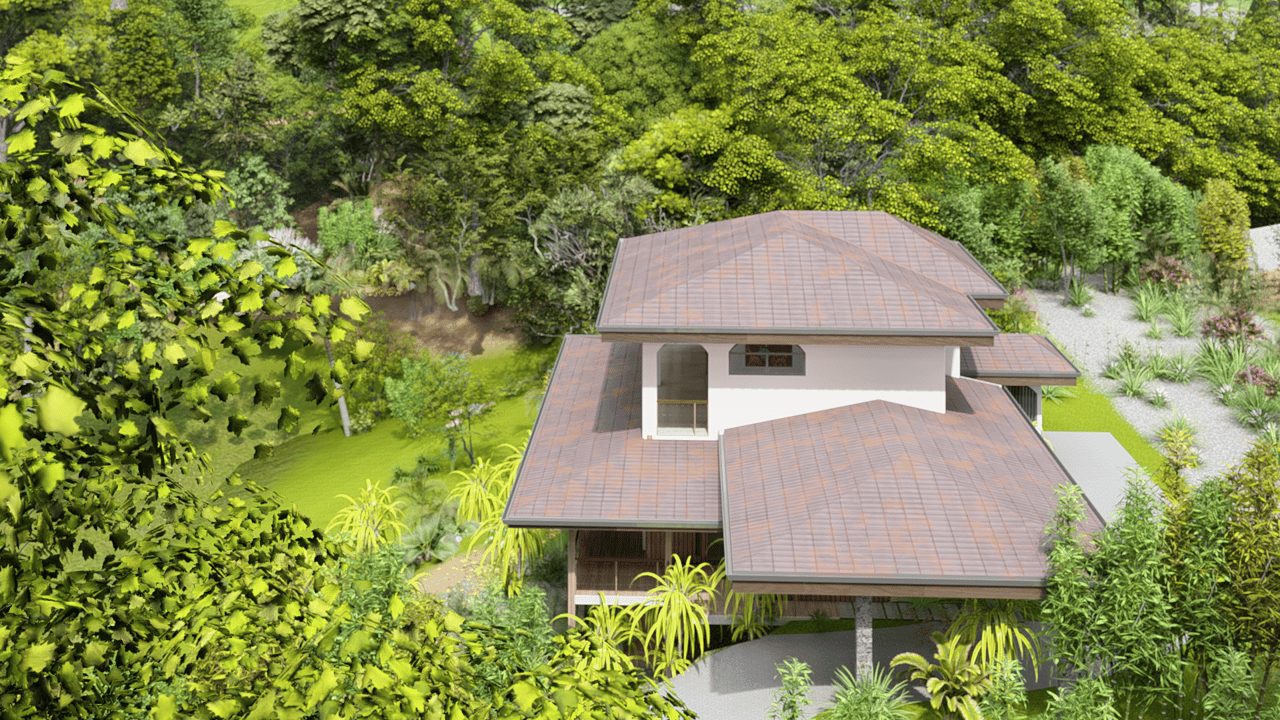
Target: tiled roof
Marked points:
587	465
881	492
853	272
1017	356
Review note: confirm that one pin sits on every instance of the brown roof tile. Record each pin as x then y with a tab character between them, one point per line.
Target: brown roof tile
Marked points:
794	271
587	465
885	492
1017	355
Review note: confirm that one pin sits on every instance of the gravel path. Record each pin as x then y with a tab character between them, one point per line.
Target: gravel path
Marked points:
1091	341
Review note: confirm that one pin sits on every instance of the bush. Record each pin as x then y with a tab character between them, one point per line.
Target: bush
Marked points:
1090	699
258	194
1235	324
365	389
875	697
790	700
353	228
1018	314
1166	272
1254	375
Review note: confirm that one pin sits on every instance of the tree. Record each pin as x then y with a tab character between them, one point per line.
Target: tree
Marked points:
1068	218
129	582
1224	228
1253	545
209	28
439	395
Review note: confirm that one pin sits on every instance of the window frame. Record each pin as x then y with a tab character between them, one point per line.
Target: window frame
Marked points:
739	353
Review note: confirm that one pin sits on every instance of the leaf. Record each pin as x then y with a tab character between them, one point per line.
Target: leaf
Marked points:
222	228
38	657
236	424
526	694
58	409
286	268
321	689
265	392
11	436
166	708
71	105
288	419
126	320
22	142
224	708
140	151
263	451
354	308
363	349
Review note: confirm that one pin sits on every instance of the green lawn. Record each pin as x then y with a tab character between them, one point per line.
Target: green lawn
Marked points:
1091	411
263	8
311	471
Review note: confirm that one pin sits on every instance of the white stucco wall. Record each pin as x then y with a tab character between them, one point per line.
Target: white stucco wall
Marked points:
835	376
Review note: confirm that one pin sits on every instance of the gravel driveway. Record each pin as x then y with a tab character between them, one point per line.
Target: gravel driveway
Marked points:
1091	341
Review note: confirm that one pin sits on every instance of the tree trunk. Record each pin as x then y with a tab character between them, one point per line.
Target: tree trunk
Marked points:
1266	675
342	400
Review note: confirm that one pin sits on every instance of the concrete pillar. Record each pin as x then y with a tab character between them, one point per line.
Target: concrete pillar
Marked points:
573	575
862	617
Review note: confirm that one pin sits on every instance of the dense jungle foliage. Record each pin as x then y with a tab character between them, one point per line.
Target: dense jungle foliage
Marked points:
506	145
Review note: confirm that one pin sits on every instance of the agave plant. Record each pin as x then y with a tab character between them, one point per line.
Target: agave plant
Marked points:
955	682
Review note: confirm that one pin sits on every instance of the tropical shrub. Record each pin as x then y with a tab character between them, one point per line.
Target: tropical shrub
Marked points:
1231	692
1148	301
1235	324
1182	314
753	614
1257	376
874	697
354	228
1219	363
371	520
956	682
1254	406
258	194
1078	293
1089	699
790	700
1166	272
1007	696
997	630
674	615
610	629
1018	314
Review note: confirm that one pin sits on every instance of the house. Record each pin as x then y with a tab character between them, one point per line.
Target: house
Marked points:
821	392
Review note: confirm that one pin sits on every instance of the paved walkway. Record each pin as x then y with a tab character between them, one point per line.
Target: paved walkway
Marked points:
739	682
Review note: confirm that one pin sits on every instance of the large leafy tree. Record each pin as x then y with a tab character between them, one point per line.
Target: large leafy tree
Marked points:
129	581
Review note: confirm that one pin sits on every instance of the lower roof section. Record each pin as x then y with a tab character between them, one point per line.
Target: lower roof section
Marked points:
1019	359
881	494
587	464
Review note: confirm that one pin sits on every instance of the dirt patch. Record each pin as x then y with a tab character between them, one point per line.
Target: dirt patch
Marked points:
441	330
308	218
457	570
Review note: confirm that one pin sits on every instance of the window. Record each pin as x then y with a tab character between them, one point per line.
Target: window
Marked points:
766	360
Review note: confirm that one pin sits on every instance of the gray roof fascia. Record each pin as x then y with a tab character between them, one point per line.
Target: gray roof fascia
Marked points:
961	580
1024	374
724	506
610	523
608	282
794	331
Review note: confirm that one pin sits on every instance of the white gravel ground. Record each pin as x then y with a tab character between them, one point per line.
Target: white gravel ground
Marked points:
1091	341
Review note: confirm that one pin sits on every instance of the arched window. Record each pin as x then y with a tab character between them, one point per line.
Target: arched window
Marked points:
751	359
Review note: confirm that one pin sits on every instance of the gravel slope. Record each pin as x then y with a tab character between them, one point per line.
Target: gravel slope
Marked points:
1091	341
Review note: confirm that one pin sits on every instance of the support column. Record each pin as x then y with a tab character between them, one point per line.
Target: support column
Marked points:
573	576
862	649
669	540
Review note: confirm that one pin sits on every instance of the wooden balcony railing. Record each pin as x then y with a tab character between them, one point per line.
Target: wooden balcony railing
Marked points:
672	416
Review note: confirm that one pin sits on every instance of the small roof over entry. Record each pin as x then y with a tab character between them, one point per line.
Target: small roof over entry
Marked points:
1018	359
